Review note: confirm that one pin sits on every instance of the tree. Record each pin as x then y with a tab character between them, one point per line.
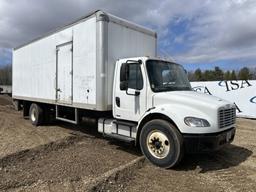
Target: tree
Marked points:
233	75
218	73
209	75
253	77
244	74
191	76
198	75
227	75
6	75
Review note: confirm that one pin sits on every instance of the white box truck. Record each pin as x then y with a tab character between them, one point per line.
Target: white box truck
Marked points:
106	68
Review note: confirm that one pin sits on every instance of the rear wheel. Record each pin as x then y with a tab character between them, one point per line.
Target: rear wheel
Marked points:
36	114
161	143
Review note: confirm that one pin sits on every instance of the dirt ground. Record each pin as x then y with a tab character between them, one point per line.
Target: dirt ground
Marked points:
53	158
63	157
231	169
17	134
5	100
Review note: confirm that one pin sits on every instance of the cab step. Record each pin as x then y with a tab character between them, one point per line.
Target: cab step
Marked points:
120	137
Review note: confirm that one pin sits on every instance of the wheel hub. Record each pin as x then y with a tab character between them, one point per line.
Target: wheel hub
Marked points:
158	144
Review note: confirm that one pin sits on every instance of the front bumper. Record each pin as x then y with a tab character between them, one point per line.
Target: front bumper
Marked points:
194	143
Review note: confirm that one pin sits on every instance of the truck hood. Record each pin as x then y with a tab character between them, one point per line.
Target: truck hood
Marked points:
190	99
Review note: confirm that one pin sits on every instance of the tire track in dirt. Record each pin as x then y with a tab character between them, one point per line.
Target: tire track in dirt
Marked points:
2	122
231	169
233	179
18	134
197	173
234	167
72	159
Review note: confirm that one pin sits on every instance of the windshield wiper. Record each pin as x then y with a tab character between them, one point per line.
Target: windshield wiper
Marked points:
171	88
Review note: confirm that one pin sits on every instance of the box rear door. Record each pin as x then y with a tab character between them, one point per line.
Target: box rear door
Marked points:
64	73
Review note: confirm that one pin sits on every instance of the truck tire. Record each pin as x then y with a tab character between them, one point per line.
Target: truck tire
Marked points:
36	114
161	143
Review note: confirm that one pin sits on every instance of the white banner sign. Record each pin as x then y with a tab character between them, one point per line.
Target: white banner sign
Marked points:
242	93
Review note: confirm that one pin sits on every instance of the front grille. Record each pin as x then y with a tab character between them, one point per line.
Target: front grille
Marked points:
227	117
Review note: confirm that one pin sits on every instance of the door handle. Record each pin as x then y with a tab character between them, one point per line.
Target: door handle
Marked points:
118	101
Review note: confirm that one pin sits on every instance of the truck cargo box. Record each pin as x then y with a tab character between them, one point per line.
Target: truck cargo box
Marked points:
74	66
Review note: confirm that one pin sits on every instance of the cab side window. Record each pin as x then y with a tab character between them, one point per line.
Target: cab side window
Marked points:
135	79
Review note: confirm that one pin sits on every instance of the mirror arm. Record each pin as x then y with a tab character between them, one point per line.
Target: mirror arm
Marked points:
137	93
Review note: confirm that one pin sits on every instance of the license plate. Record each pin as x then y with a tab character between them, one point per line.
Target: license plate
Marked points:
228	136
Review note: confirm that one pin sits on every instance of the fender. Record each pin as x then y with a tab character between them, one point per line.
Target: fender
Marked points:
161	110
175	113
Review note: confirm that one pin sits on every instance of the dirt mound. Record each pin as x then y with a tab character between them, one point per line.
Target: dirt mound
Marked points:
5	100
72	159
52	157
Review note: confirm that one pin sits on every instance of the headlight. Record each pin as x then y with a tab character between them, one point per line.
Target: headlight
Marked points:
196	122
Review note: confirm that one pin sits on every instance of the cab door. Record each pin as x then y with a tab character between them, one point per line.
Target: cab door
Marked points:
129	102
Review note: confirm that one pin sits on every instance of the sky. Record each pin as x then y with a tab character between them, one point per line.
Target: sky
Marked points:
195	33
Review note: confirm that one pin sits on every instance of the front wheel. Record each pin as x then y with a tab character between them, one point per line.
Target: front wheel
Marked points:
161	143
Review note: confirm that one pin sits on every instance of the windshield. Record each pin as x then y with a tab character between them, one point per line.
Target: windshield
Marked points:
166	76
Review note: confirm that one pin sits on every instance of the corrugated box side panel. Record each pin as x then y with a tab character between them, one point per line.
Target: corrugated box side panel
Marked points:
34	66
84	63
125	42
34	70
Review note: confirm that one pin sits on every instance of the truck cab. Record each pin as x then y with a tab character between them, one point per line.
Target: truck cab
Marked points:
154	104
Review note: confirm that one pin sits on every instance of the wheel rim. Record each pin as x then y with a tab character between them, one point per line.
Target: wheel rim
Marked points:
33	115
158	144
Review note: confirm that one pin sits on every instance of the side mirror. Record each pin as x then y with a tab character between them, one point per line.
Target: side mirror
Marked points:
123	85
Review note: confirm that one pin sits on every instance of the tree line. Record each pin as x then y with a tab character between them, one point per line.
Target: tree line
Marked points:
6	75
217	74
